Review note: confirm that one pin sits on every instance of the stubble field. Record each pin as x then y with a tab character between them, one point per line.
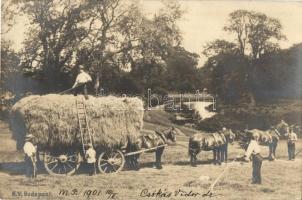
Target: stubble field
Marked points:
282	179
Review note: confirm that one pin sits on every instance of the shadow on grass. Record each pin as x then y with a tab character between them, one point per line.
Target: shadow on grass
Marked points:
199	162
19	168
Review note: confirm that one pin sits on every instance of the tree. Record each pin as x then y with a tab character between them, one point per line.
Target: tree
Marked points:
128	39
9	11
105	36
254	32
57	29
9	63
181	72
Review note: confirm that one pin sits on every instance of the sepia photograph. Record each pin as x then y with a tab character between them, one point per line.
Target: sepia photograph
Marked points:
151	99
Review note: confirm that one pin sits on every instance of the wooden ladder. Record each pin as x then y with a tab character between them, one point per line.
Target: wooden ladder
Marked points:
86	134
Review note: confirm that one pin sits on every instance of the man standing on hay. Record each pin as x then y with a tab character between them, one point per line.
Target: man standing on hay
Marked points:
30	157
80	84
91	159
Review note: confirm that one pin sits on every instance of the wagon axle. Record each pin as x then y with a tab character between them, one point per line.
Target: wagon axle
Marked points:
63	158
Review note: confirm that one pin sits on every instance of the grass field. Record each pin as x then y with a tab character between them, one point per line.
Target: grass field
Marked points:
282	179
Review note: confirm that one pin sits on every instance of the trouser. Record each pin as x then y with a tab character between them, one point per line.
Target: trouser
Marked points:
81	89
257	162
224	153
291	150
272	150
29	167
91	169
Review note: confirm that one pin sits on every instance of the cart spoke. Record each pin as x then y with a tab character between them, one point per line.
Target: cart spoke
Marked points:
68	165
54	166
103	164
52	162
65	169
115	168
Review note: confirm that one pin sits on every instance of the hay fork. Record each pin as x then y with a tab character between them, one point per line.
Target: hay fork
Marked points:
211	188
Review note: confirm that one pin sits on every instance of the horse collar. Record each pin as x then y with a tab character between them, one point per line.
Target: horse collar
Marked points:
162	136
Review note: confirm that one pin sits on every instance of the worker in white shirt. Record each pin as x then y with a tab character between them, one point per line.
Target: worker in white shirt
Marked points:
30	156
253	151
291	139
91	159
80	84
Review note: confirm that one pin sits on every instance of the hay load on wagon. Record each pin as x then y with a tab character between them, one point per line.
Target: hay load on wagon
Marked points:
52	119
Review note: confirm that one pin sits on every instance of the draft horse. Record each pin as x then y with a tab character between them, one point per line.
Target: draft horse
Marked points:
268	138
216	142
148	141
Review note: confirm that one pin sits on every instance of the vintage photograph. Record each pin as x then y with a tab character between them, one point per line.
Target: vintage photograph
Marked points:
151	99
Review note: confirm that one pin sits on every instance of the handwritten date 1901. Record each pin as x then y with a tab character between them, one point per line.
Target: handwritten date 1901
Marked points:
109	194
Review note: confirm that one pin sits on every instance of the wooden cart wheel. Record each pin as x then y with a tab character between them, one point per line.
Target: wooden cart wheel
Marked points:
111	161
64	164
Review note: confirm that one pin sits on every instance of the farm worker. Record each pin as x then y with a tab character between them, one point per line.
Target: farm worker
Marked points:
81	82
91	159
30	156
224	147
291	139
253	151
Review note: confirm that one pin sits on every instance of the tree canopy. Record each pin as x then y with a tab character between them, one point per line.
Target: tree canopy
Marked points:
246	69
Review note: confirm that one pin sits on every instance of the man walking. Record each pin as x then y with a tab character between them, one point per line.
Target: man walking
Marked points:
91	159
30	156
80	84
291	139
224	146
253	151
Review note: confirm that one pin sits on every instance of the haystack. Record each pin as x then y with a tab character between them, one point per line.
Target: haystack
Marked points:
52	119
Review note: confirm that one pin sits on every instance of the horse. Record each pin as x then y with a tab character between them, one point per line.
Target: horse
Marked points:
216	142
148	141
268	138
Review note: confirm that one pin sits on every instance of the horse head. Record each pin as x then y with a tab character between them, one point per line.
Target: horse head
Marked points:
170	134
229	135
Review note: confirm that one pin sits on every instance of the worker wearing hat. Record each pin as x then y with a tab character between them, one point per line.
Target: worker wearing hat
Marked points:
80	84
90	156
253	151
291	139
30	156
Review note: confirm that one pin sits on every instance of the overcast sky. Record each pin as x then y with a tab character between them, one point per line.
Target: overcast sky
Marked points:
203	20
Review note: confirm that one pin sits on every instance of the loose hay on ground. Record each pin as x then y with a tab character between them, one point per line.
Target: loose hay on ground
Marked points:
52	119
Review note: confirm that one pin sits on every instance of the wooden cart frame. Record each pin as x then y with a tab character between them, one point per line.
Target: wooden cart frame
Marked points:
66	163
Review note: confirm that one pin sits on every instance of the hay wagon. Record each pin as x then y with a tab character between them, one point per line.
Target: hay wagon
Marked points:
68	147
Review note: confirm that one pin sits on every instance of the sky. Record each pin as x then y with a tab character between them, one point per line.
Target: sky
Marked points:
203	21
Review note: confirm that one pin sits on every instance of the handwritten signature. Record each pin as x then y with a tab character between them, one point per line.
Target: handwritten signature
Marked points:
165	193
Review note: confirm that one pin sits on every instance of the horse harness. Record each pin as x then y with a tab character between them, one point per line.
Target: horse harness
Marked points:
153	136
162	136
